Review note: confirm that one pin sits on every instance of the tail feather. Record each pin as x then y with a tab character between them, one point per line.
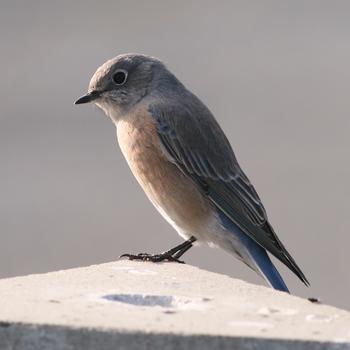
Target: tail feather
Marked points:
264	266
255	256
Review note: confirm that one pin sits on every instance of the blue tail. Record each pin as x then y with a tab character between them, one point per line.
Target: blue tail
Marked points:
264	264
256	257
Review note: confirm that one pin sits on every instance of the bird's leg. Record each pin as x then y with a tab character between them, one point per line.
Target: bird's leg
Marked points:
172	254
182	251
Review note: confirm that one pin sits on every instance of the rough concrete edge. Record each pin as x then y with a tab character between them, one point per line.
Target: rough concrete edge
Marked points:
15	336
67	269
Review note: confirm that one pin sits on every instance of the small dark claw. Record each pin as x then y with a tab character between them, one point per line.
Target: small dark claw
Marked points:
140	256
171	255
152	258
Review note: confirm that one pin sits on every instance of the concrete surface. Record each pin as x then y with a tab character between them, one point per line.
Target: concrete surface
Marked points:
133	305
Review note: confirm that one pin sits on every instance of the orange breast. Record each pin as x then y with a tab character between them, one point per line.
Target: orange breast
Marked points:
172	192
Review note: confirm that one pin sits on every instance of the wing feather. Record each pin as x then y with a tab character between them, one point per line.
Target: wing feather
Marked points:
194	141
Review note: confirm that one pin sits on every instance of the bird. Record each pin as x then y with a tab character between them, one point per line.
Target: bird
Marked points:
185	164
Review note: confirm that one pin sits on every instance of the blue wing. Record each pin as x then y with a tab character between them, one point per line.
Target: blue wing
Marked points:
194	141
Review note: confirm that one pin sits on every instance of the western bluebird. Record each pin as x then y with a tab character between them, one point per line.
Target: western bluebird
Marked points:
185	164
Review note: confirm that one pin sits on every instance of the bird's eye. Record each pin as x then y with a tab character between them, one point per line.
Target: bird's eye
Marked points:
119	77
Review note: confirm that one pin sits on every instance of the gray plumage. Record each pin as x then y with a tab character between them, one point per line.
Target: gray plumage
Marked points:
196	143
190	138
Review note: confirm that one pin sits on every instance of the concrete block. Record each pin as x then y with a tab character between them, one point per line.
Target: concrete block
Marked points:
134	305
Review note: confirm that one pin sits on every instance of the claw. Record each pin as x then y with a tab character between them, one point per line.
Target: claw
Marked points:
152	258
171	255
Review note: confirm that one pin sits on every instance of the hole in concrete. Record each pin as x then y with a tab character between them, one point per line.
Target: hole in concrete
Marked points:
164	301
141	299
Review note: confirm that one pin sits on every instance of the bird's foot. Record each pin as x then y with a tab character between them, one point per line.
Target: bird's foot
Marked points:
163	257
171	255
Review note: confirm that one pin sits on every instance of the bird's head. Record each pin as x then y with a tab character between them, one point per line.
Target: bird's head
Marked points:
124	81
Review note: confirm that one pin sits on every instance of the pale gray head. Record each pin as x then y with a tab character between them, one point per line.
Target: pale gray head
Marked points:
125	80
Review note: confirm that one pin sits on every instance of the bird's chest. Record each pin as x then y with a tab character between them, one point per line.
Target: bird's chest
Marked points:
173	194
140	146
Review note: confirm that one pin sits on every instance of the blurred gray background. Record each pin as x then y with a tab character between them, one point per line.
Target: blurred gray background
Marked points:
276	74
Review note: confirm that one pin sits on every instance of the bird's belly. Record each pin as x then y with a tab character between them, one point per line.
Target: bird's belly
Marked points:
173	194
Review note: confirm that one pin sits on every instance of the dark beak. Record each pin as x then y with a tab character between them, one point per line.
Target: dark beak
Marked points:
89	97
